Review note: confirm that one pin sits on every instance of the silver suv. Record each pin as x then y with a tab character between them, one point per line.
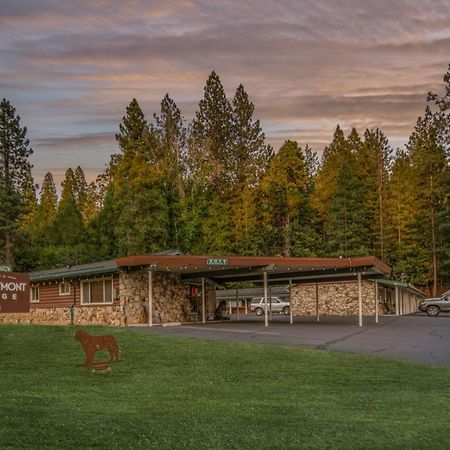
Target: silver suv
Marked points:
278	305
434	306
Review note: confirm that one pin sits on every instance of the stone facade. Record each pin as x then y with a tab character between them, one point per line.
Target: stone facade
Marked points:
335	299
170	303
170	297
92	315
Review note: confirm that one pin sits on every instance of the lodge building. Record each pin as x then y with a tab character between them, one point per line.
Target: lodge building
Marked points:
174	288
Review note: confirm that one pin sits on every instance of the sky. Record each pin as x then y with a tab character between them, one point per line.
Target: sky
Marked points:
71	67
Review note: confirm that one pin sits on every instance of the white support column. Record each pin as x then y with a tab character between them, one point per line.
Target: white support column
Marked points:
291	318
203	302
230	305
397	306
376	301
150	298
266	317
317	303
246	306
359	300
237	303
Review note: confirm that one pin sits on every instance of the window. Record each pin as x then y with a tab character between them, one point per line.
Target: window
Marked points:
64	288
34	294
96	291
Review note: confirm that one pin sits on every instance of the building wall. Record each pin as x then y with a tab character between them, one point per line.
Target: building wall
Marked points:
335	299
54	308
169	296
341	299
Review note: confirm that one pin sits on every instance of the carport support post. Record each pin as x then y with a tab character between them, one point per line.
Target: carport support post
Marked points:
359	300
317	302
150	298
203	302
291	318
266	317
237	303
376	301
397	312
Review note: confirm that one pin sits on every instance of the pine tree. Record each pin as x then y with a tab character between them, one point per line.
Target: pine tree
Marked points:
141	224
403	251
327	174
211	138
284	197
430	169
374	160
172	137
339	197
251	156
15	175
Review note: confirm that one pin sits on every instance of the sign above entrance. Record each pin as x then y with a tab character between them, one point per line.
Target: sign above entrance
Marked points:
14	292
5	268
217	262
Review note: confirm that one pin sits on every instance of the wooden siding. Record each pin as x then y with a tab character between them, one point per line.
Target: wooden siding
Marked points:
49	296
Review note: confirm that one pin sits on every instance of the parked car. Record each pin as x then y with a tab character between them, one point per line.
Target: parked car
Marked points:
434	306
278	305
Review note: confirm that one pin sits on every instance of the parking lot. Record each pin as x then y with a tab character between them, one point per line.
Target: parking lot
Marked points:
414	337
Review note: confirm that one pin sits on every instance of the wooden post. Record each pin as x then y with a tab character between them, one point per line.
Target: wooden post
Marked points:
150	298
317	302
359	300
246	306
203	302
376	301
266	317
291	318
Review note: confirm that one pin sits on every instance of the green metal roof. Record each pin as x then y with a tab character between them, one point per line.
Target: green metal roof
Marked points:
67	273
400	284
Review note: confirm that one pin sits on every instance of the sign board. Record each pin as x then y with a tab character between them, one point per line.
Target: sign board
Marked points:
5	268
14	292
217	262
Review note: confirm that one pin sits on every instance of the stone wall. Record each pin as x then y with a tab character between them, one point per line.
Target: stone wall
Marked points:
169	296
86	315
335	299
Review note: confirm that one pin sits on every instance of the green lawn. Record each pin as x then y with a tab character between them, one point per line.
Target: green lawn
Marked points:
179	393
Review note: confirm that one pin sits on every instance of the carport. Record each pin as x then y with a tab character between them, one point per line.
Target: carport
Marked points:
268	271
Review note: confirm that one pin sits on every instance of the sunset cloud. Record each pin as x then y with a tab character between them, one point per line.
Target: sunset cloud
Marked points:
70	68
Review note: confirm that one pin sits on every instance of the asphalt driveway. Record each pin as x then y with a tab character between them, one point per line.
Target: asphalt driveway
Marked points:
416	337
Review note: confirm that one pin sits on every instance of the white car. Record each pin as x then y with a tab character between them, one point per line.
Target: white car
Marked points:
278	305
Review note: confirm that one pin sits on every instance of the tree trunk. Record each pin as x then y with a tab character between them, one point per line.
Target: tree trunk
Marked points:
433	240
8	252
287	237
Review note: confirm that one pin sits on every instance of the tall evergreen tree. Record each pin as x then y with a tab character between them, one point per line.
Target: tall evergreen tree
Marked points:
327	174
142	214
284	198
251	156
15	175
172	139
212	138
374	160
402	251
430	169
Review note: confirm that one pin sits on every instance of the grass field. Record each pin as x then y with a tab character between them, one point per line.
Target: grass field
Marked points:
177	393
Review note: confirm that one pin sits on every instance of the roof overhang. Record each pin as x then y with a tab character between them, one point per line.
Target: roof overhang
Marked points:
222	269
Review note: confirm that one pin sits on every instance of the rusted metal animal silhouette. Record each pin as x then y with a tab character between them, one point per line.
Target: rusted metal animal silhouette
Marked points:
93	344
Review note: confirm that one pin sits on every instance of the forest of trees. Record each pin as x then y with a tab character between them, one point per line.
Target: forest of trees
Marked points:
215	187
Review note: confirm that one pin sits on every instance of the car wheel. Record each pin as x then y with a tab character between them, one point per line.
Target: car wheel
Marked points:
433	311
259	311
286	310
